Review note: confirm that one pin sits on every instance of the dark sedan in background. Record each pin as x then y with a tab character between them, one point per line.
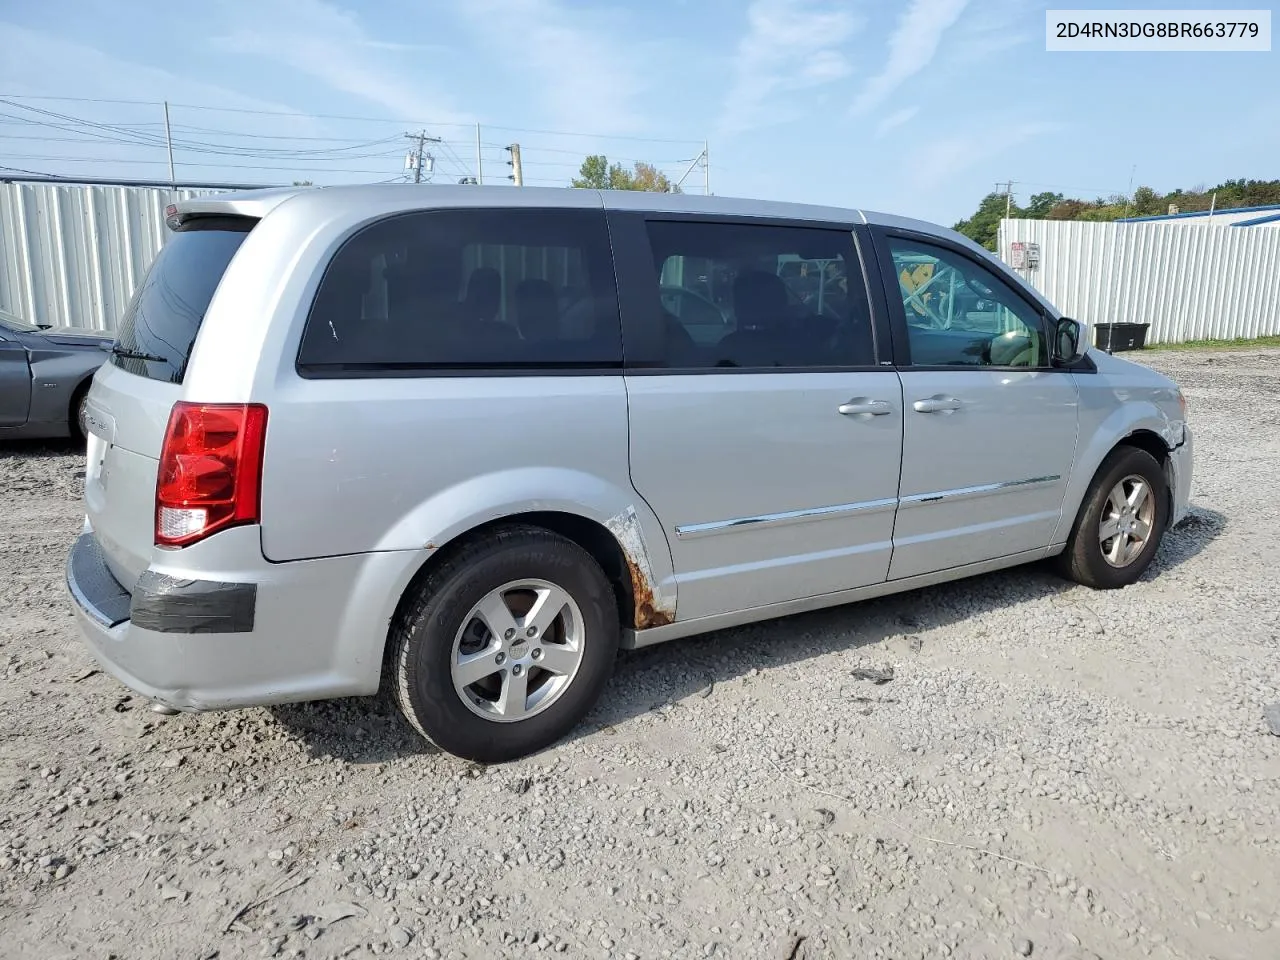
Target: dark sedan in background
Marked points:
44	376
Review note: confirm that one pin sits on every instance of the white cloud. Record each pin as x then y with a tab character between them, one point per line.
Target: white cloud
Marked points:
991	27
36	62
895	119
397	47
789	46
912	46
945	157
319	39
40	65
578	64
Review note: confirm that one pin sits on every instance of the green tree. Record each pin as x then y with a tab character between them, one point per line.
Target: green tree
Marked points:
1040	204
650	178
1146	203
1066	210
596	173
983	226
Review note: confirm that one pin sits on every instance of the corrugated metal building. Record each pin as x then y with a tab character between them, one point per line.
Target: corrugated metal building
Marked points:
1188	281
71	253
1268	215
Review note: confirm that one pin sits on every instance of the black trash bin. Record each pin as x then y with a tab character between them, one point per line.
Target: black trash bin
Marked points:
1120	336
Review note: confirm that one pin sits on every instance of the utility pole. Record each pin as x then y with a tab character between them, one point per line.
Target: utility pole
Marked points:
168	139
701	160
517	171
479	159
1008	197
420	156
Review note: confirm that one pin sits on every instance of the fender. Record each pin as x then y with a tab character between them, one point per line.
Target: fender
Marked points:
56	374
1133	416
453	511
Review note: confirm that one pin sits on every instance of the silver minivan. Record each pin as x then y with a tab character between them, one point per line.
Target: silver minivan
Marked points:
463	443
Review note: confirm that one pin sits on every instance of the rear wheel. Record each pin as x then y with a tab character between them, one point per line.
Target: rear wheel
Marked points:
1121	521
503	649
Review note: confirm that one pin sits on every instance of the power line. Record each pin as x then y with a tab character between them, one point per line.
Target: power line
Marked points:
187	128
32	173
594	136
220	166
334	116
196	145
32	96
200	146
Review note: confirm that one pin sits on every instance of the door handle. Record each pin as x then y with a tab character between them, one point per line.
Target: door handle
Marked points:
862	405
936	405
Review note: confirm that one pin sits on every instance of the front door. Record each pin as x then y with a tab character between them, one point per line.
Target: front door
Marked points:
990	425
763	433
15	384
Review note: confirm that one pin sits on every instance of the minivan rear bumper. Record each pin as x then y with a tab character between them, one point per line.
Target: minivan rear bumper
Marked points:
273	633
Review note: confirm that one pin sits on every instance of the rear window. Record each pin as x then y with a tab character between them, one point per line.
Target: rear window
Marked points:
160	325
466	290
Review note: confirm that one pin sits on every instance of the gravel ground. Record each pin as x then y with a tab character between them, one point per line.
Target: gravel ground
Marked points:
1051	772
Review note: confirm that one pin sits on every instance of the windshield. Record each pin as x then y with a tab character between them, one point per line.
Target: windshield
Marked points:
160	325
14	325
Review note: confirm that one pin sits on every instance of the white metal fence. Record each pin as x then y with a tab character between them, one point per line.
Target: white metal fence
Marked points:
71	254
1189	282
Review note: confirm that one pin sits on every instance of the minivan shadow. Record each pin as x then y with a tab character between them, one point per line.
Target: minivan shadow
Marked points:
370	730
25	449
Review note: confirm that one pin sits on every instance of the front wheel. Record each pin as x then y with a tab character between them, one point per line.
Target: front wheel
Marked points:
1120	523
504	648
79	426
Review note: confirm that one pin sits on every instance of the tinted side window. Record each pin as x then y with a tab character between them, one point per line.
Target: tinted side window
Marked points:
160	324
745	295
468	289
958	313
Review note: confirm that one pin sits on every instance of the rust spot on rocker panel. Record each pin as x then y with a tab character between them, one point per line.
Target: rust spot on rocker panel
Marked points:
649	609
646	613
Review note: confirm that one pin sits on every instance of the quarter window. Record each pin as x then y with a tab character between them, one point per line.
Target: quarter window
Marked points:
958	313
465	289
743	295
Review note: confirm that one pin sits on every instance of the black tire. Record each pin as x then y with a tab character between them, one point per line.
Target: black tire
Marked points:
1083	559
75	416
420	644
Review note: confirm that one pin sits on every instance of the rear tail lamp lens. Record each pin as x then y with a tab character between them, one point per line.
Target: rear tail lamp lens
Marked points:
210	470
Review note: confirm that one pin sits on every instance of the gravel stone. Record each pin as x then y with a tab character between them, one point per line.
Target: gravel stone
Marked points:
938	814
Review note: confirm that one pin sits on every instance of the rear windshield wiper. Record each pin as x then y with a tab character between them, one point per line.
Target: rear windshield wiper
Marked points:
137	355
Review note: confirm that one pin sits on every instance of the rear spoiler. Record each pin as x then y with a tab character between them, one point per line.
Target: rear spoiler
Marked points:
255	204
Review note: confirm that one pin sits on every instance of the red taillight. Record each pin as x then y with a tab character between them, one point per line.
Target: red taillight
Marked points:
210	470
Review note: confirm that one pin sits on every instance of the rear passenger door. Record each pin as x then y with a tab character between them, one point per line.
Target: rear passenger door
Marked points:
765	430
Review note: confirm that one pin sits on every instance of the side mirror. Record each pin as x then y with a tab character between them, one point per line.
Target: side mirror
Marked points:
1067	346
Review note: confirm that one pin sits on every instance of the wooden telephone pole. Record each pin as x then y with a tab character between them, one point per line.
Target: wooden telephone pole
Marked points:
517	171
